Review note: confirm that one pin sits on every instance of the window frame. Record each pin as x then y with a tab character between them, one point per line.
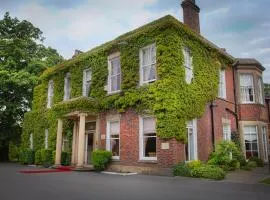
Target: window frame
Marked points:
46	139
50	93
228	124
31	141
260	90
188	65
253	89
264	143
142	82
195	140
257	136
141	140
67	87
222	93
109	79
84	86
108	137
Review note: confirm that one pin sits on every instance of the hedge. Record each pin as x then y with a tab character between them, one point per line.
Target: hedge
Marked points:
100	159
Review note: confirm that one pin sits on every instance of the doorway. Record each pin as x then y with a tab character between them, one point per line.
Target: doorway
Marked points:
90	128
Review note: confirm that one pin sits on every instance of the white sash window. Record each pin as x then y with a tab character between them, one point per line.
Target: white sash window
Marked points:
87	77
113	138
67	88
246	88
251	141
50	94
148	64
114	76
191	146
46	138
188	65
222	84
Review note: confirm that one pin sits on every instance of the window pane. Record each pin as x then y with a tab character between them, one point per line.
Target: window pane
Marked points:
114	128
115	64
146	56
115	83
149	146
115	144
149	125
87	75
248	145
246	80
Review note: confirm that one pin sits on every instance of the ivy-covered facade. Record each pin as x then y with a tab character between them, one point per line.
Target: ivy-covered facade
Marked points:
142	96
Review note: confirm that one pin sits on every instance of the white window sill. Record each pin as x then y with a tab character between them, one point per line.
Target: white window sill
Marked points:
147	82
114	92
148	159
247	102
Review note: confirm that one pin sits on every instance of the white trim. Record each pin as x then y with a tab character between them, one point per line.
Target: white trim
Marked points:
108	136
50	94
141	157
258	147
264	143
67	86
46	140
253	89
226	122
142	82
188	65
222	93
31	141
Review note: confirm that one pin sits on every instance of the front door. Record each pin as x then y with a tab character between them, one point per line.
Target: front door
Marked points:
90	128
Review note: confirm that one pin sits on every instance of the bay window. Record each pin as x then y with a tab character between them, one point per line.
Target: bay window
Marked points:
260	91
251	141
246	88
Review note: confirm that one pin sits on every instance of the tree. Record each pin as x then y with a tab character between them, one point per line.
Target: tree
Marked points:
23	58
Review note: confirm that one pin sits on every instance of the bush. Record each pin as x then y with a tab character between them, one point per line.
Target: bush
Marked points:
194	164
38	159
13	152
208	171
100	159
46	157
182	170
65	158
227	156
251	164
27	157
258	161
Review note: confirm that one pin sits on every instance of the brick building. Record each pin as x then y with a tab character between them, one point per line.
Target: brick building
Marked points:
238	111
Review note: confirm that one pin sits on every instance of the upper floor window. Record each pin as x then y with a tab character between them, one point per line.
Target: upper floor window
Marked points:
67	88
148	64
260	91
114	76
31	141
46	138
222	84
246	88
87	77
188	65
50	94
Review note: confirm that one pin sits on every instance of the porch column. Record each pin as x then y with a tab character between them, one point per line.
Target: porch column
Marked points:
59	142
74	138
81	140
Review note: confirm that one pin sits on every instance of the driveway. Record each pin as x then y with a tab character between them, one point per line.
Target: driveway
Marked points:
95	186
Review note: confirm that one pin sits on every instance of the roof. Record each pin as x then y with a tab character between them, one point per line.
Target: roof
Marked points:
249	62
166	21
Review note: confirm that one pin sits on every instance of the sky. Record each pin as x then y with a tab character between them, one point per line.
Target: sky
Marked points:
240	26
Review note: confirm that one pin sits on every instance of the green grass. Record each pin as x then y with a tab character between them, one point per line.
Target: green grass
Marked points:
266	181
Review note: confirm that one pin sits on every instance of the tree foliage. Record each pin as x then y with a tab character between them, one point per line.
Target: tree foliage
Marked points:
23	58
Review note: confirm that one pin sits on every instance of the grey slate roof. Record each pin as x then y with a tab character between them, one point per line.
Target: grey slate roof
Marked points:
250	61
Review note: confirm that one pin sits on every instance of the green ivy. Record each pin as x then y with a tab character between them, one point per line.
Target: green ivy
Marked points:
170	99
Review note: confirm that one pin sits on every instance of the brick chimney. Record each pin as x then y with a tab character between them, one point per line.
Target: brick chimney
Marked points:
191	14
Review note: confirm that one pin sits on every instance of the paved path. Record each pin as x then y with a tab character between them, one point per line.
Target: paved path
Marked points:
95	186
248	177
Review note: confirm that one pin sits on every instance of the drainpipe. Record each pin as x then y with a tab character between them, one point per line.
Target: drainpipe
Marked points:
268	109
235	96
212	105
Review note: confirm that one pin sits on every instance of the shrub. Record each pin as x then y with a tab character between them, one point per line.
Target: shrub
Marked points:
194	164
208	171
258	161
100	159
13	152
38	159
46	157
65	158
251	164
27	157
227	156
182	169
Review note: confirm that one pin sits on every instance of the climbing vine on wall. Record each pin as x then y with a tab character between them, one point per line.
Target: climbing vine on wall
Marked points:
170	99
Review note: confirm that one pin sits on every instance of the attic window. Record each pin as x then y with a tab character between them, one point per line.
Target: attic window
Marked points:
188	65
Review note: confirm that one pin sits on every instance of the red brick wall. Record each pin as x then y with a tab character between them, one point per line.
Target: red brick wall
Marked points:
253	112
129	143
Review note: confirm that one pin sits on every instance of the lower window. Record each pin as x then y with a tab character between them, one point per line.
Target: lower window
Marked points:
251	141
148	138
113	139
191	146
226	132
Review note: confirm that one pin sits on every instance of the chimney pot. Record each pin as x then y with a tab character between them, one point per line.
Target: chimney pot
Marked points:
191	14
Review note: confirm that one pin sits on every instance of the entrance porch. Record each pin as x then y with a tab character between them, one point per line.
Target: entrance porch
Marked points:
85	138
